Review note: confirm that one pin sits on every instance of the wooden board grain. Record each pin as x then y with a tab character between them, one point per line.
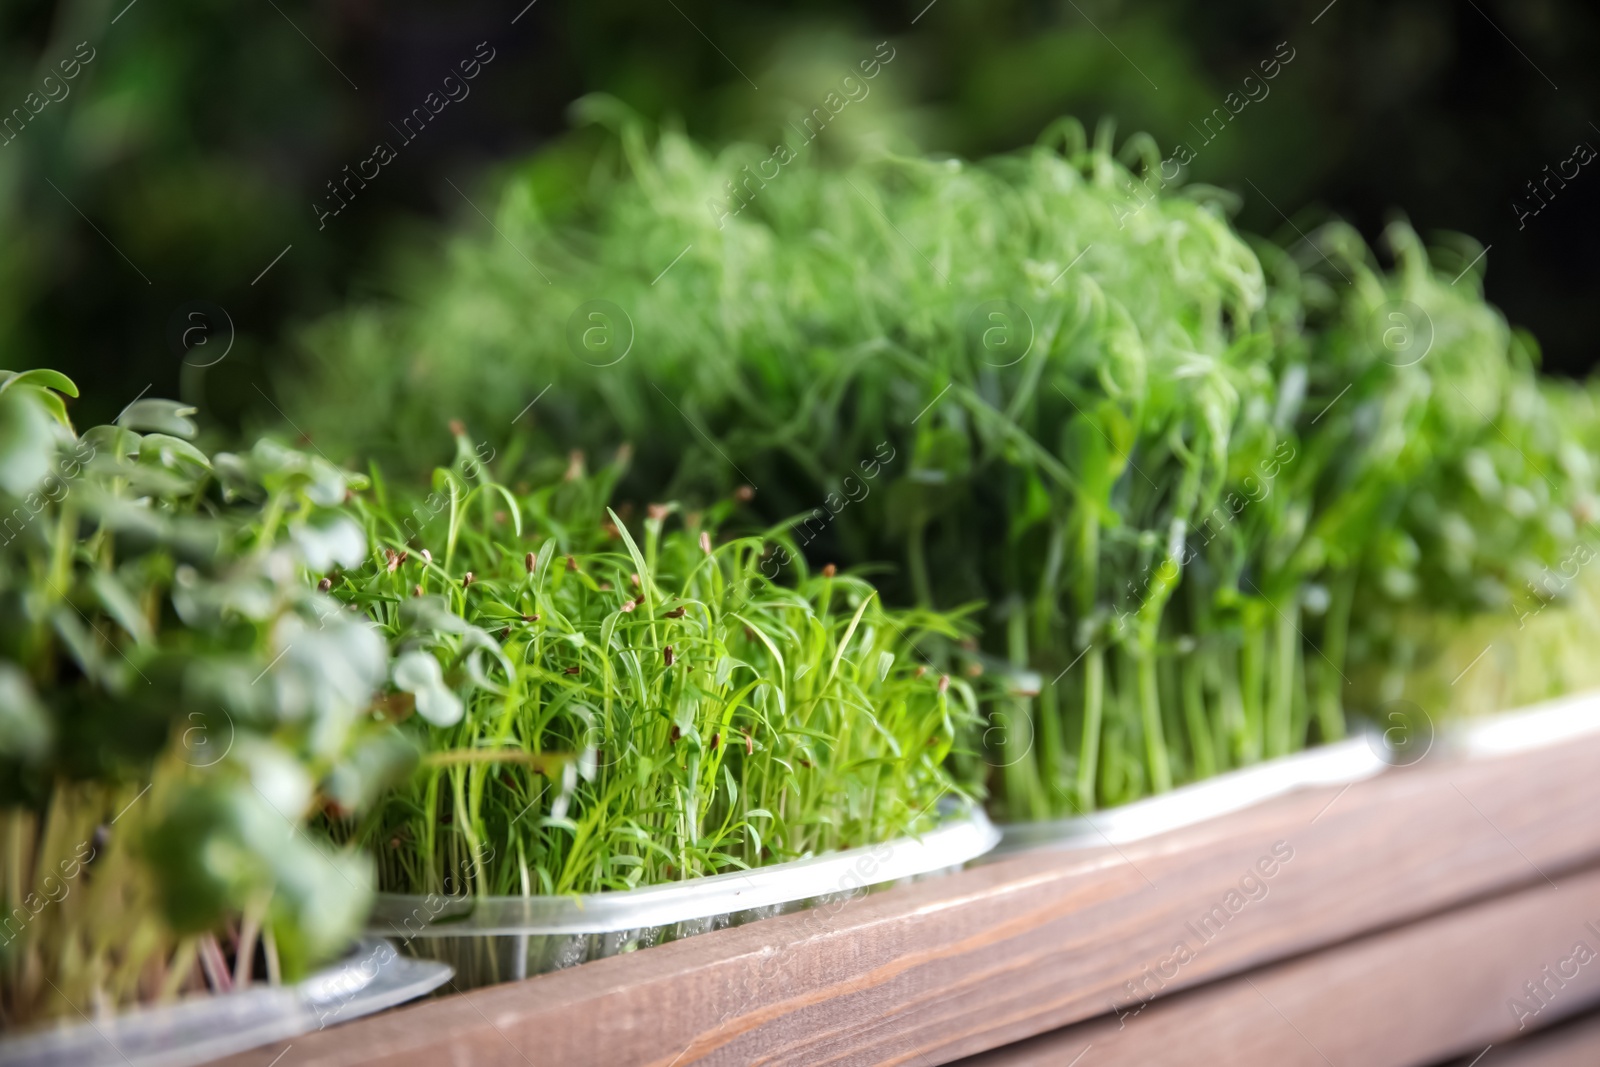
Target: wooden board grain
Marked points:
1573	1044
929	973
1452	984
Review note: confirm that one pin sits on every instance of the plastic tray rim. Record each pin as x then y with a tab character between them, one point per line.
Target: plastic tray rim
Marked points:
958	839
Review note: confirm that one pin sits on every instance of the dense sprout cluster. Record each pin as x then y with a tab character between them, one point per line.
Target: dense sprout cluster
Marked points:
210	662
1454	488
1201	486
602	711
176	702
1051	458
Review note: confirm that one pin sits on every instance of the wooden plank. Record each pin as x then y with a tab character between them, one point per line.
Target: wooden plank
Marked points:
929	973
1447	985
1575	1044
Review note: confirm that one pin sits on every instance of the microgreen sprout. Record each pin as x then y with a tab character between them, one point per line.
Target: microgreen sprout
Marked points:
577	721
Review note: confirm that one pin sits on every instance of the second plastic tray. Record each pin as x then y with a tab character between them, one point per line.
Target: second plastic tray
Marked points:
1335	764
370	978
497	939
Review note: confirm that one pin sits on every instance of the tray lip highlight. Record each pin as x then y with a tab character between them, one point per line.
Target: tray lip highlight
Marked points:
962	836
202	1028
1338	763
1549	722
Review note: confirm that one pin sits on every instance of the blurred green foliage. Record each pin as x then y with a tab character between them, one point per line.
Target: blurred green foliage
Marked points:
196	141
174	168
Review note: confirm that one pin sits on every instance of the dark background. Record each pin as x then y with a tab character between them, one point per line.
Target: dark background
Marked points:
192	148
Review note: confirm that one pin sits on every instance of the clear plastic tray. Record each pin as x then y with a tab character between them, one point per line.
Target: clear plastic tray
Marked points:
497	939
1335	764
204	1028
1538	726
